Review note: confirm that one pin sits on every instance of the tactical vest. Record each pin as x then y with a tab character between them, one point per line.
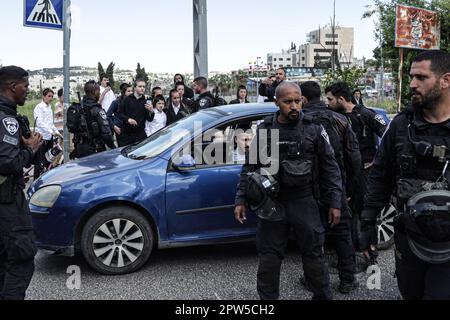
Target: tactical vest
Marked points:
298	164
420	162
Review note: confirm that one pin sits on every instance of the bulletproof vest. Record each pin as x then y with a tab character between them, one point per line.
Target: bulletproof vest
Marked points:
297	157
421	162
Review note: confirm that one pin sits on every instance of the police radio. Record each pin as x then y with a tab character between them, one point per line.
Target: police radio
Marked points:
24	126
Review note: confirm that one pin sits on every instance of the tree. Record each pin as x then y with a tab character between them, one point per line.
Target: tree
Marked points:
110	73
385	28
101	71
141	74
351	76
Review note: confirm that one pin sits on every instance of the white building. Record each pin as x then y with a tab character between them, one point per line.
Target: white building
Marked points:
285	59
320	45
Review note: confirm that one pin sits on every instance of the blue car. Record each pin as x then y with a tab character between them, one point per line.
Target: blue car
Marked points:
174	189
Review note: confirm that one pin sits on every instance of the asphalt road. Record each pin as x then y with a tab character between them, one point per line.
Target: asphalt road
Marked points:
221	272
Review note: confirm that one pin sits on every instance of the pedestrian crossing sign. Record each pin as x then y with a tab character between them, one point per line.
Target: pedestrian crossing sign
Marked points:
44	14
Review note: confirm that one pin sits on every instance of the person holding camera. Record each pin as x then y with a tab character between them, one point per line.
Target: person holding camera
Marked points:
107	96
18	147
269	85
43	116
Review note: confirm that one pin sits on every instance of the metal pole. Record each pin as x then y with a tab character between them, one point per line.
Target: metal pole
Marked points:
400	81
200	38
66	74
382	61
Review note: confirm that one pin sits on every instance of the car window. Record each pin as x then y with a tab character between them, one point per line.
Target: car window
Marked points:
226	144
169	136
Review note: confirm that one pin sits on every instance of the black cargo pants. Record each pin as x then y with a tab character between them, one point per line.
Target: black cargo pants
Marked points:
17	248
302	215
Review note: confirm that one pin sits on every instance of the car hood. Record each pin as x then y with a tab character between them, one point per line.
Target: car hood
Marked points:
97	164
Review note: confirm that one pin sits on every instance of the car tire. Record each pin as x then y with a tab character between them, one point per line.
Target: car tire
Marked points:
117	240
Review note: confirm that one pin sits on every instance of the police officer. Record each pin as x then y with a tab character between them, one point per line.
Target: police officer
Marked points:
18	146
205	99
98	132
367	126
307	168
412	163
346	150
268	86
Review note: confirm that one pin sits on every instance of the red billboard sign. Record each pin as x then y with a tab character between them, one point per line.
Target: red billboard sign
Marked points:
417	28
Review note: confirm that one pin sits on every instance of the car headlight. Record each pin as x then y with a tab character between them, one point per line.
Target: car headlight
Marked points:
45	197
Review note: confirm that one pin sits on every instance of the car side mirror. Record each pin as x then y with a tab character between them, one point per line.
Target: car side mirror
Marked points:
185	163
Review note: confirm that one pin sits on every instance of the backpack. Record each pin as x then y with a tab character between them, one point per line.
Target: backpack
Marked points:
219	101
74	115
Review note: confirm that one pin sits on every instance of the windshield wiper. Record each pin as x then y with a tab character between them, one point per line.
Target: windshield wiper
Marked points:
134	157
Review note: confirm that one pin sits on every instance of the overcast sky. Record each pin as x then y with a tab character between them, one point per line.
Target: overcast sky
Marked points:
158	34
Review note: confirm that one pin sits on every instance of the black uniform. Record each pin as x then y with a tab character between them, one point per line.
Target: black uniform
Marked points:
268	91
367	126
98	132
134	108
17	248
398	162
346	150
204	101
298	197
172	117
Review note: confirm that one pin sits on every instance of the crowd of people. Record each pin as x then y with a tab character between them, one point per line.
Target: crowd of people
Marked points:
331	169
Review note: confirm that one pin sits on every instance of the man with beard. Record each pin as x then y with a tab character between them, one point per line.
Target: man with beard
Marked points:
367	126
412	163
268	86
303	171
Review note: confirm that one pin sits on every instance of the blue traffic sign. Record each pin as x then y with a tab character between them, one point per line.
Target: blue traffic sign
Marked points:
43	14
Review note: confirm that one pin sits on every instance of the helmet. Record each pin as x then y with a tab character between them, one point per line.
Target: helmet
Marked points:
428	216
262	190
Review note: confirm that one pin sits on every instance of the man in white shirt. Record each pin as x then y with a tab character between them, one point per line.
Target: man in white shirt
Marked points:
107	96
243	141
43	118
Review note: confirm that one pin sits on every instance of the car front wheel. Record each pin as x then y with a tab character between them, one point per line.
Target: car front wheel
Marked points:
117	240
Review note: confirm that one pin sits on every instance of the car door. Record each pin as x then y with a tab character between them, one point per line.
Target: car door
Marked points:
200	201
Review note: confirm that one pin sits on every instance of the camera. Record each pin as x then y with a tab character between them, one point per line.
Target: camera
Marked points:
24	126
108	84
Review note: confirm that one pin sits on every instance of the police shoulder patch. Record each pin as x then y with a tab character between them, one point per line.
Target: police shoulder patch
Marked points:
202	102
11	125
103	115
380	119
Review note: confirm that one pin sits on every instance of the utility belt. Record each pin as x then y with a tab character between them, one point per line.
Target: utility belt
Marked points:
8	190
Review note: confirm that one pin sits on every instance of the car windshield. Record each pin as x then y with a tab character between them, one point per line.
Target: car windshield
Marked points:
171	135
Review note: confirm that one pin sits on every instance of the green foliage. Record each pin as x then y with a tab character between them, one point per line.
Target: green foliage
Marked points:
228	83
390	105
351	76
101	71
384	10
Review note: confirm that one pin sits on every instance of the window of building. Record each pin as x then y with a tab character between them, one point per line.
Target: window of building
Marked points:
303	58
330	36
323	50
303	51
274	59
288	59
330	43
280	59
303	65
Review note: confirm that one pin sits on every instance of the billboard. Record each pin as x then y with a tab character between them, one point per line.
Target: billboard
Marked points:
417	28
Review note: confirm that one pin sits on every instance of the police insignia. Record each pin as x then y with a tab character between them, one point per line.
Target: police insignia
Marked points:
325	135
380	119
11	125
202	102
103	115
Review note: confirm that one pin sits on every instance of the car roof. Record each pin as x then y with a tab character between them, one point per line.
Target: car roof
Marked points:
245	109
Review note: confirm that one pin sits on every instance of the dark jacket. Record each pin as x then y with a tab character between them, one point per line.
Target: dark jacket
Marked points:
268	91
367	125
98	124
238	101
344	143
13	155
172	117
204	101
314	147
134	108
113	113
